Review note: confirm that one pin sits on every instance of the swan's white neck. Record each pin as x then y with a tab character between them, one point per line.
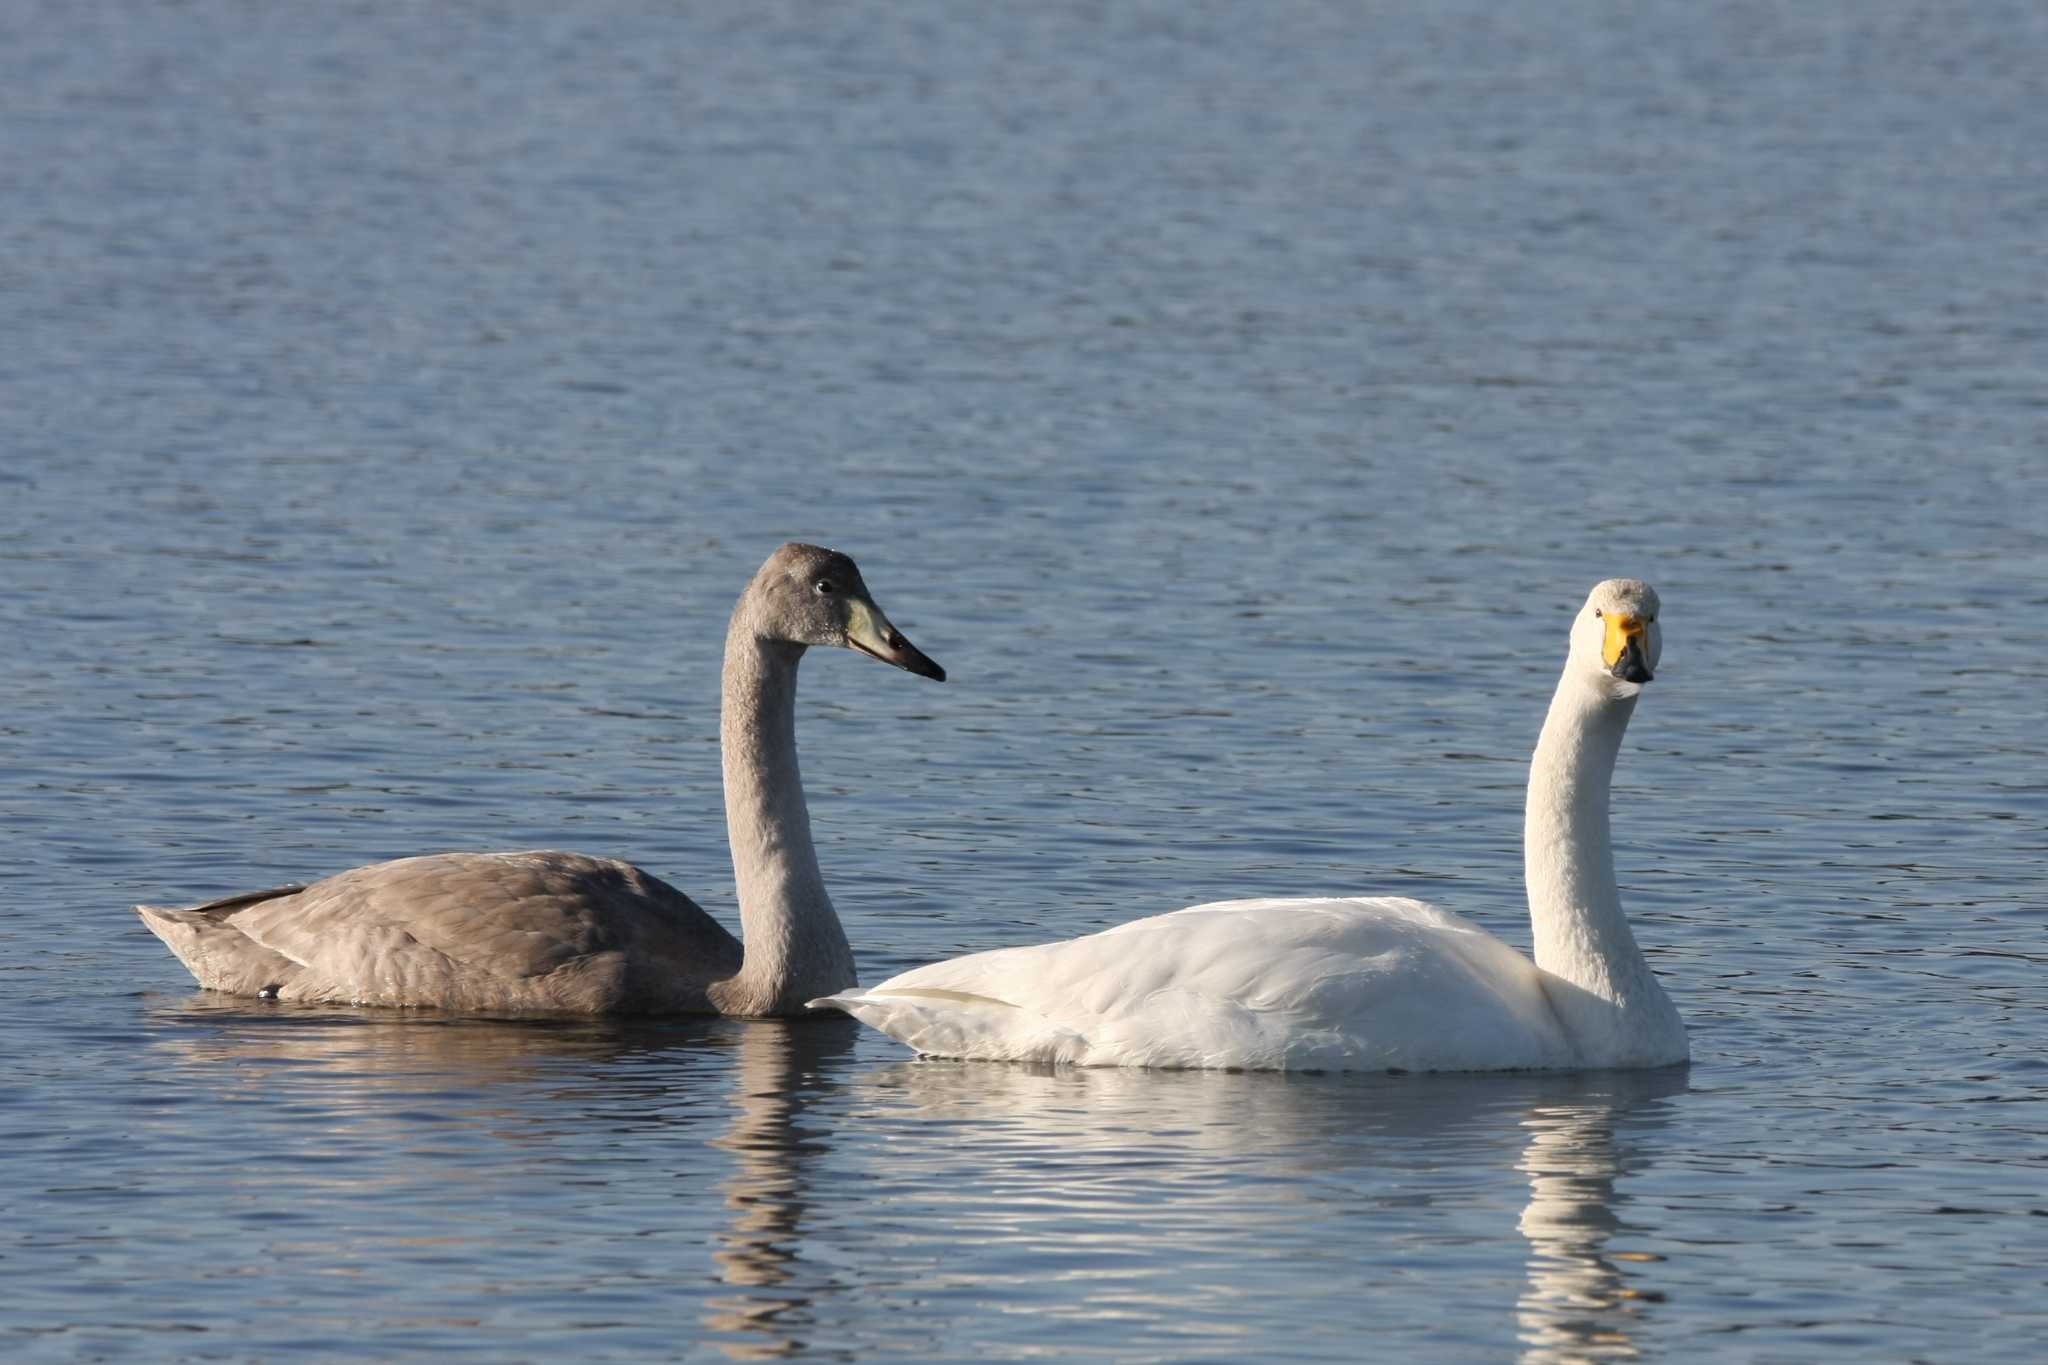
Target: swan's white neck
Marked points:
1597	978
795	949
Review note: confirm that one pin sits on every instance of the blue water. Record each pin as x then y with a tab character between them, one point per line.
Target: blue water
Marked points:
1236	400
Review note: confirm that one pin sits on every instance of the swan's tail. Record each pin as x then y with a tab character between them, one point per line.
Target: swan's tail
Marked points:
220	956
941	1023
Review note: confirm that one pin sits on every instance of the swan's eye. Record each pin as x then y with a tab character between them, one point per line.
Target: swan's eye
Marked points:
1598	613
824	587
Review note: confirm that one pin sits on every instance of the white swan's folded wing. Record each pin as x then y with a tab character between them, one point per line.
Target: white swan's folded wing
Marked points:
1339	984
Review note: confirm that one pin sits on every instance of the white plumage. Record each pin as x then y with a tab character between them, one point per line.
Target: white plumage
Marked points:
1289	985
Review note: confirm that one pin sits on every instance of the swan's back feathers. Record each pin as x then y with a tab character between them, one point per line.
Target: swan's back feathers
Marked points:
538	932
1337	984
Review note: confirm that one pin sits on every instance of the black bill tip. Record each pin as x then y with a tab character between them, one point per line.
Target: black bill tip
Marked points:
903	655
1631	667
913	659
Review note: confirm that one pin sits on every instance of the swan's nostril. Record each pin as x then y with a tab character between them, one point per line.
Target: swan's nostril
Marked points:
897	641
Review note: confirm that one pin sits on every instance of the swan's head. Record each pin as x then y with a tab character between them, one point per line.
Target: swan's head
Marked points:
1615	640
809	595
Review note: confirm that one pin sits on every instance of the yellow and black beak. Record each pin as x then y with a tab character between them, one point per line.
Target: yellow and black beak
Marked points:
1622	650
868	631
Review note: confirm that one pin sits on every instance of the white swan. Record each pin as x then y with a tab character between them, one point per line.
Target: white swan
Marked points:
561	933
1353	984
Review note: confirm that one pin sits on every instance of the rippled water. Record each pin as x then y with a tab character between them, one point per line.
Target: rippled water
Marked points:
1236	400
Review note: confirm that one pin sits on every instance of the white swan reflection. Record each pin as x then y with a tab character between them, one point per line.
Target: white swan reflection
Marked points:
1359	1158
1581	1302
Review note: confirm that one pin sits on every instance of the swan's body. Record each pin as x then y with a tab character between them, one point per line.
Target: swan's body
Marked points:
562	933
516	933
1353	984
1281	985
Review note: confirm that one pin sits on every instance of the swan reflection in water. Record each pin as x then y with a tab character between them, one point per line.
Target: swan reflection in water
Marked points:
778	1074
1579	1303
1380	1163
448	1117
975	1178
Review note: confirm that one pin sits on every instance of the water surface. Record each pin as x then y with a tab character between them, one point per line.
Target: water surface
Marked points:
1236	402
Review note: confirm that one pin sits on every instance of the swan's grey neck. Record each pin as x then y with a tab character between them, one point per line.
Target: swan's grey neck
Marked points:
1617	1014
795	949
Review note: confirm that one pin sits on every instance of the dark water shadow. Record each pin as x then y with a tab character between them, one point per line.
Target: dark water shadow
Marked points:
357	1060
782	1071
743	1088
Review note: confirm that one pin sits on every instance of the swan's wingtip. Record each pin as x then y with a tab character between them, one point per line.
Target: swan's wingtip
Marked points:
839	1002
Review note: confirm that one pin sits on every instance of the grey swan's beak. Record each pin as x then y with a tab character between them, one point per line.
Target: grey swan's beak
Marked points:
870	632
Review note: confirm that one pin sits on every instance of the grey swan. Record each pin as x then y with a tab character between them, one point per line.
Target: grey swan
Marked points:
548	933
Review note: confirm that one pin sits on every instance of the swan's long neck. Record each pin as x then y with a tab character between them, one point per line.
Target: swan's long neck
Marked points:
795	949
1618	1014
